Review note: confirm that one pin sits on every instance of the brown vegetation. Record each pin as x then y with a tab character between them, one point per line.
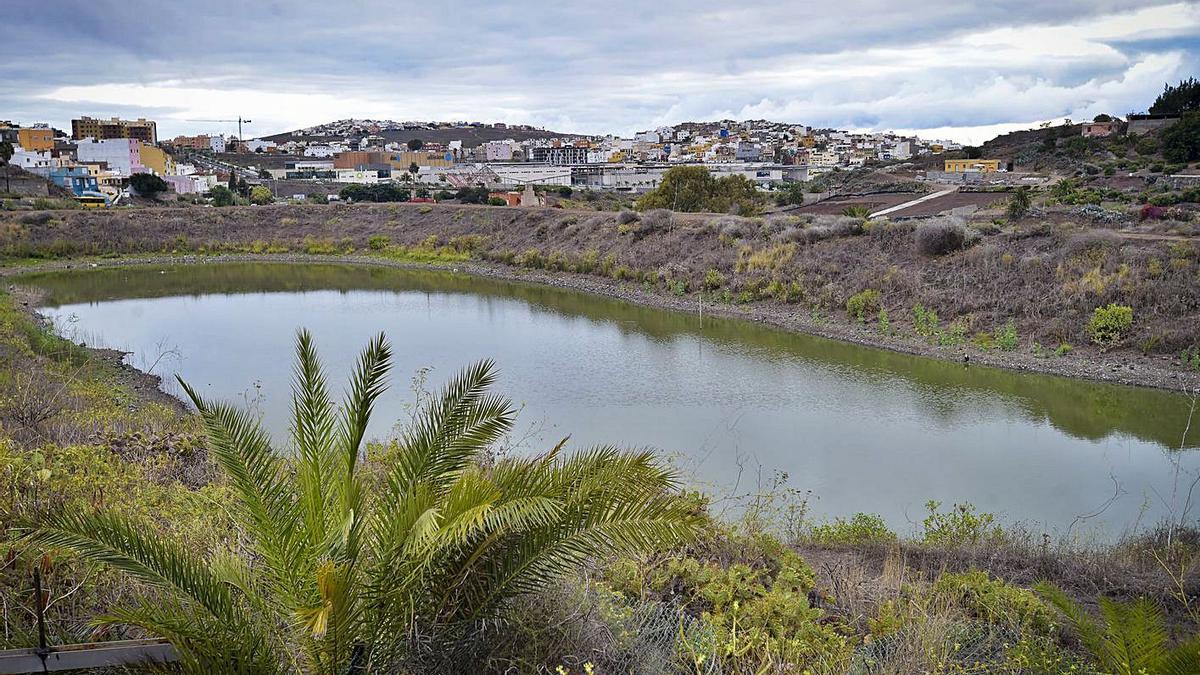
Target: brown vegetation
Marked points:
1046	277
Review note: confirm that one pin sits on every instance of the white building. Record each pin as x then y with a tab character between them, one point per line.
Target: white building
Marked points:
498	151
121	154
30	159
258	144
217	143
319	150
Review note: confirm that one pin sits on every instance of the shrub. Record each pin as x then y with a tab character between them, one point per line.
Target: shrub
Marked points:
378	242
221	196
1019	203
862	528
626	216
1006	338
733	227
814	234
713	279
496	201
1109	324
925	321
656	220
940	237
1152	212
961	526
863	303
996	602
847	228
260	194
147	184
1131	638
856	211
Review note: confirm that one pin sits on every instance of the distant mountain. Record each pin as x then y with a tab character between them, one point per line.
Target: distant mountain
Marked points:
470	136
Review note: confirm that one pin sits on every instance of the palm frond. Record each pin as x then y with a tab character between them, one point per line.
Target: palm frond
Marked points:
1090	633
1134	636
1183	659
453	429
266	502
204	645
133	548
313	422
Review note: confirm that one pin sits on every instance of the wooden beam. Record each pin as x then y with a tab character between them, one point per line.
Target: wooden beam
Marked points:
88	655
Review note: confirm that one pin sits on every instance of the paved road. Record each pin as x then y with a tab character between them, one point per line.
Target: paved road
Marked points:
920	200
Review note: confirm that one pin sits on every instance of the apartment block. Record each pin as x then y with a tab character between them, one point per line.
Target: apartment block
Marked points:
140	129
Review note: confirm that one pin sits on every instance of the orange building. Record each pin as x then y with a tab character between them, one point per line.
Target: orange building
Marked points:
35	139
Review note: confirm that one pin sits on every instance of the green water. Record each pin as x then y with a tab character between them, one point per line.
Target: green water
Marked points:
732	402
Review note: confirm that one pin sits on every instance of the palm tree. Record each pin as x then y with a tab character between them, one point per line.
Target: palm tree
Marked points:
1132	640
338	563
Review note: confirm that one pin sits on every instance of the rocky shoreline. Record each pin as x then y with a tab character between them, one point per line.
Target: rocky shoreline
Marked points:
1162	372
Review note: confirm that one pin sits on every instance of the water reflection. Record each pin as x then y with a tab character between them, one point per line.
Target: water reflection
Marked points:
864	429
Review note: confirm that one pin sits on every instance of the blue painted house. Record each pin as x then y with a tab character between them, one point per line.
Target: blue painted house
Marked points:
76	179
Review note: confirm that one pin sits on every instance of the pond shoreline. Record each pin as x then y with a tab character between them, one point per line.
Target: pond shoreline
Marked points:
1161	372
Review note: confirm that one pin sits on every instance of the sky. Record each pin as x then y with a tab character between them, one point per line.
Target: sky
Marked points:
960	70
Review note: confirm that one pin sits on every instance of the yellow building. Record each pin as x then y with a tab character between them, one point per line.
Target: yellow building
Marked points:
35	139
153	158
980	165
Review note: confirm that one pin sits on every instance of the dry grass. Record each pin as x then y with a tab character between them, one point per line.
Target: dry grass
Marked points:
1047	277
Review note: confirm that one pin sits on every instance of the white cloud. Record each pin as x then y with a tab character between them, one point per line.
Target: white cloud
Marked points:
953	69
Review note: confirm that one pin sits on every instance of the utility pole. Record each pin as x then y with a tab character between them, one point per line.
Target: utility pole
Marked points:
240	121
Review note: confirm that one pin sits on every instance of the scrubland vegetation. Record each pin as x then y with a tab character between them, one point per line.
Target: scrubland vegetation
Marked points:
442	551
1034	288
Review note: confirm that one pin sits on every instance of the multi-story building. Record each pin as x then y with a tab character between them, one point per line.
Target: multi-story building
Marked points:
38	138
77	179
156	160
122	155
140	129
201	142
560	156
498	151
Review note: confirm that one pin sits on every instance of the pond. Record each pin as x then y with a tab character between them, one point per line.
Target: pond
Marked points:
734	404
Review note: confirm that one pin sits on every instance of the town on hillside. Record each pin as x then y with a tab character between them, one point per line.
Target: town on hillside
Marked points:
105	162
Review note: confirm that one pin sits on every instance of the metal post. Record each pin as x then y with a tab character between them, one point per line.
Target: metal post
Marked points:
39	602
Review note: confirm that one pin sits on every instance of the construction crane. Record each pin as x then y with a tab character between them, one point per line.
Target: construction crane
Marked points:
239	121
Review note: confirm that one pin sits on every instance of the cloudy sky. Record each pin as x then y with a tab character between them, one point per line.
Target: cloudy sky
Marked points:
958	69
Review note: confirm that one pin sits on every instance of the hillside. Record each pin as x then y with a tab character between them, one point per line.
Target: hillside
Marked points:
470	136
1021	296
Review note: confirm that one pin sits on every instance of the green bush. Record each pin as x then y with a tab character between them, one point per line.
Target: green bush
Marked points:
1109	324
1006	338
713	279
862	528
864	303
960	526
753	610
925	321
996	602
378	242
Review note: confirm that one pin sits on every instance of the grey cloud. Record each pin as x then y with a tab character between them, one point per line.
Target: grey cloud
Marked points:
554	63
